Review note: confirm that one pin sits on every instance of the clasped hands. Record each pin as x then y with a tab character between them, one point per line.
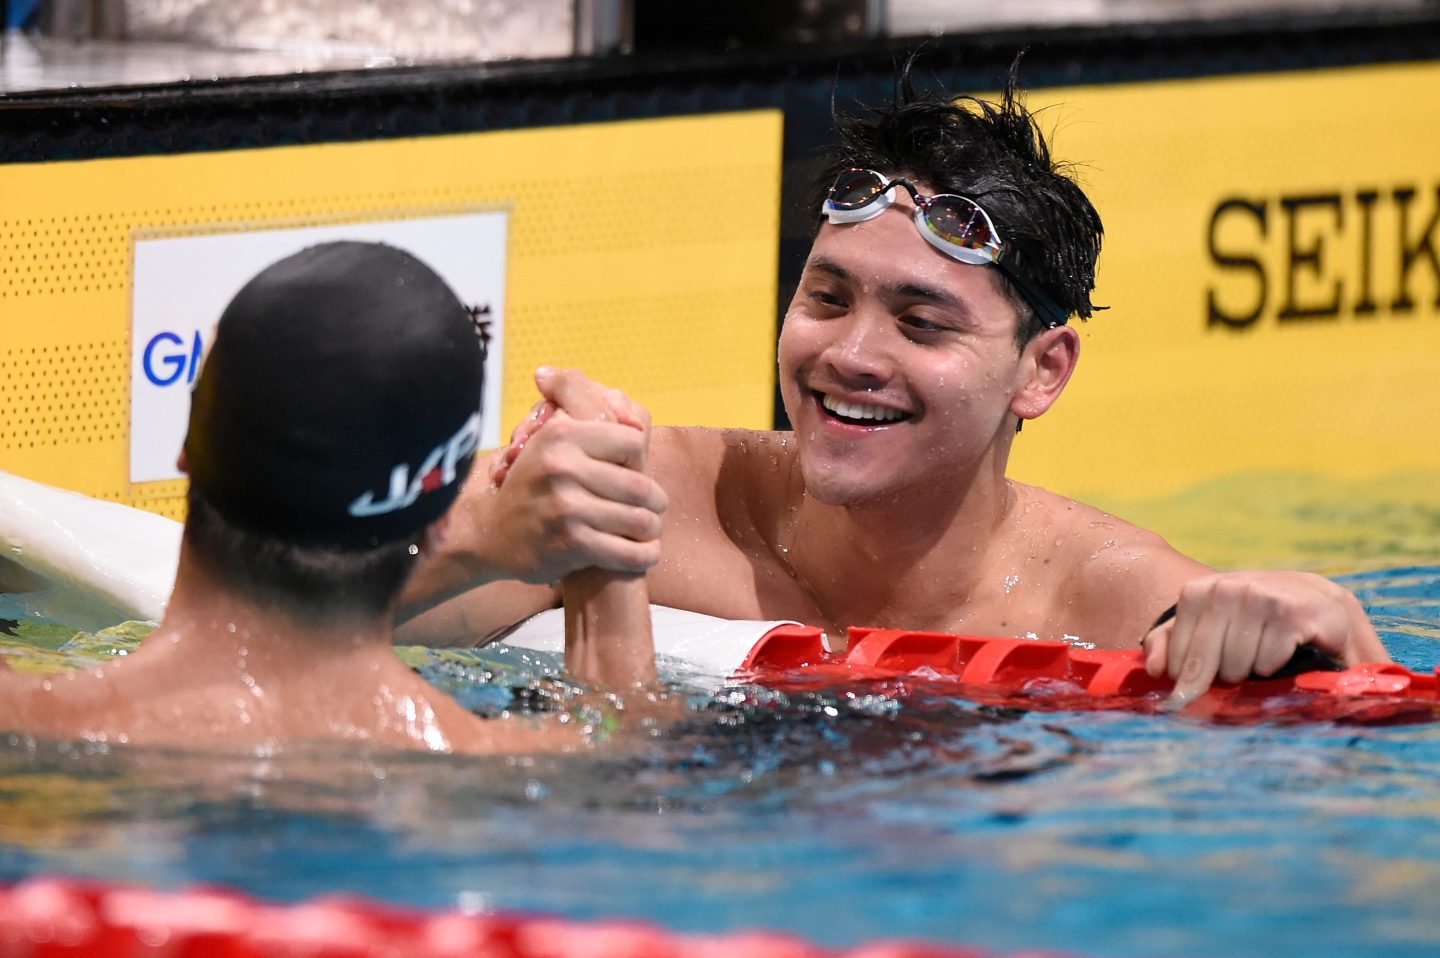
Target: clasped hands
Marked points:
576	499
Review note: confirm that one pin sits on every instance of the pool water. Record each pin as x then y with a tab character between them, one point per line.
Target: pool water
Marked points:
844	816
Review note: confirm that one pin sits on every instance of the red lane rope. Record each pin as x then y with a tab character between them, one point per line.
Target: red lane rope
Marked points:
61	918
1026	673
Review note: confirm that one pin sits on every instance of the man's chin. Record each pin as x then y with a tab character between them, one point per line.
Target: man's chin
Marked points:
835	486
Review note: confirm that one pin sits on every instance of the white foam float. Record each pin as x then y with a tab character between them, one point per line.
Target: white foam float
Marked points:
103	562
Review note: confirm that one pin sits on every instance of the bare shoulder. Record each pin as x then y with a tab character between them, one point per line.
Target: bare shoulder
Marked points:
1110	571
668	443
1083	526
674	448
726	488
685	460
693	462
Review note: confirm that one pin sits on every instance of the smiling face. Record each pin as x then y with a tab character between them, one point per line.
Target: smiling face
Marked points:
899	367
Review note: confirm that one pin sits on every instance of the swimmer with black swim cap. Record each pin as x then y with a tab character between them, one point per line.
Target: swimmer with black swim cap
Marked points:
334	420
339	405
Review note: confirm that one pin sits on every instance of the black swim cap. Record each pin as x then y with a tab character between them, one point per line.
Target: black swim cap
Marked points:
339	404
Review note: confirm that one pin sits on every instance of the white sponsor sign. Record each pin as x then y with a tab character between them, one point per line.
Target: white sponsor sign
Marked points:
183	284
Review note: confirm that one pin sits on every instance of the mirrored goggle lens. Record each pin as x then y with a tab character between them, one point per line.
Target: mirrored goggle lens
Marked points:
854	188
959	221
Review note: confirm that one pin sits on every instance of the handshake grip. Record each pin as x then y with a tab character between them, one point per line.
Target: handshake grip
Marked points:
608	634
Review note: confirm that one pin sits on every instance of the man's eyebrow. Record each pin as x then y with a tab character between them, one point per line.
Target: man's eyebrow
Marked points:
933	294
939	297
827	265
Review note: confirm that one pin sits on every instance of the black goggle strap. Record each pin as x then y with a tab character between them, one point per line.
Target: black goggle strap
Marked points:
1050	311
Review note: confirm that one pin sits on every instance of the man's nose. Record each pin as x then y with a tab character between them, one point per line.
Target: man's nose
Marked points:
861	351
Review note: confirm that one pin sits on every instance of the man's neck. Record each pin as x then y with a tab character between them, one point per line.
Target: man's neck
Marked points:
910	559
209	624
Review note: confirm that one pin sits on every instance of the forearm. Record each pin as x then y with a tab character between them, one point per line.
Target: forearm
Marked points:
608	641
477	616
441	579
454	559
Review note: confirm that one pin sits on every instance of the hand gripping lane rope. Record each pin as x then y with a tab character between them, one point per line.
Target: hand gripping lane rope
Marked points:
1032	674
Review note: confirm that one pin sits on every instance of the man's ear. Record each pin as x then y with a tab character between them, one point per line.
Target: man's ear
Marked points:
182	462
1045	367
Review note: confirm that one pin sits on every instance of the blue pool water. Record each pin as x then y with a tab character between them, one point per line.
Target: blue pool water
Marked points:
844	816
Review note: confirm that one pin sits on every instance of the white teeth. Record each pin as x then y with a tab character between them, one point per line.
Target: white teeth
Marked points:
850	410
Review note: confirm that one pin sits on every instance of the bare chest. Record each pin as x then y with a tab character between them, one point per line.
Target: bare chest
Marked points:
747	578
725	554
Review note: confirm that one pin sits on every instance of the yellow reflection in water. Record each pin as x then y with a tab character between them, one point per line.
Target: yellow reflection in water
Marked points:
1298	521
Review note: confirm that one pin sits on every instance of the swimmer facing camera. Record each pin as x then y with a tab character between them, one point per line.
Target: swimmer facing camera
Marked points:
931	319
331	427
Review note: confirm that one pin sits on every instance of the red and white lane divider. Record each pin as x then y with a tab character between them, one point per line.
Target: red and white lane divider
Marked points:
1032	674
61	918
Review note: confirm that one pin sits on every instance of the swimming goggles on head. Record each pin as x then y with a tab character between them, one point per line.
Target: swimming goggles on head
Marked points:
955	225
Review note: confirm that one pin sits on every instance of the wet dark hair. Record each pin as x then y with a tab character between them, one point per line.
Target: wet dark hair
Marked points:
993	153
310	584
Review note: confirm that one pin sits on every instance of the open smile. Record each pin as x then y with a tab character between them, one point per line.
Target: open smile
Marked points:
860	414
